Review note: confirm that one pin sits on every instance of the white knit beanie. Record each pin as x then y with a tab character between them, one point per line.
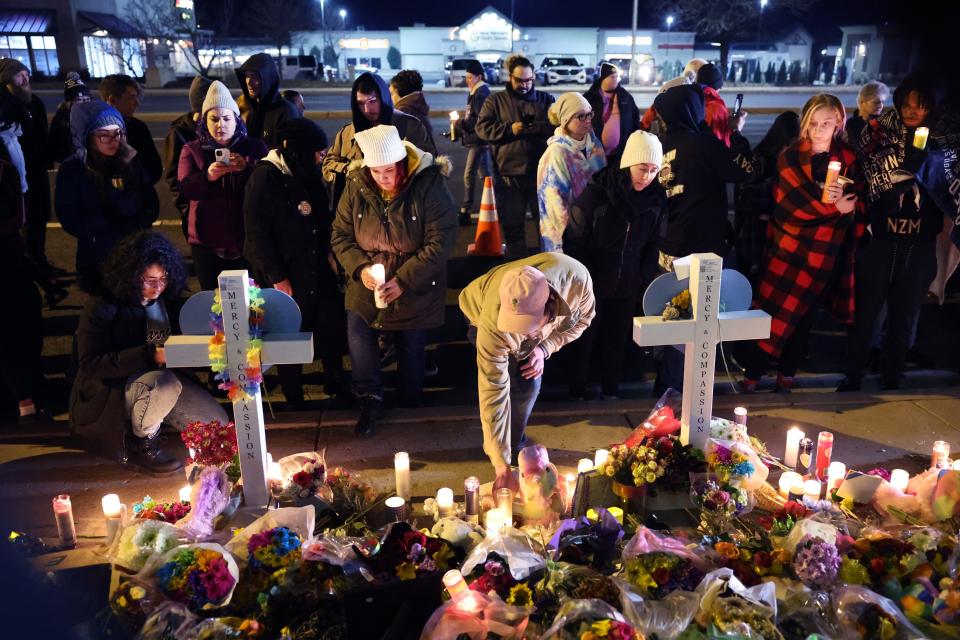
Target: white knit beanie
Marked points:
381	145
567	106
218	96
642	147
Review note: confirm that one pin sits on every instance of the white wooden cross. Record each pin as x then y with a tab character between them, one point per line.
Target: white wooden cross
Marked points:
700	335
282	344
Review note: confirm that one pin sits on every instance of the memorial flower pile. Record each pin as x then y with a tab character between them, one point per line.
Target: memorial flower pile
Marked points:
406	554
657	574
196	577
661	461
816	563
150	509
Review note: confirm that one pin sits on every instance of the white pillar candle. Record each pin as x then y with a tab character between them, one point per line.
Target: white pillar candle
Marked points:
401	467
740	416
471	498
504	499
811	489
111	505
185	493
585	465
496	522
455	585
600	457
794	436
395	508
788	480
454	116
956	465
836	472
380	275
444	502
899	478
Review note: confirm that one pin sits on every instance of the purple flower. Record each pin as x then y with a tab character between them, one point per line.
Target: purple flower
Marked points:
880	471
816	563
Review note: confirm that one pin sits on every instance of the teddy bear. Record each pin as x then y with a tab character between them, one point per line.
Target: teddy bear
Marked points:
457	532
540	490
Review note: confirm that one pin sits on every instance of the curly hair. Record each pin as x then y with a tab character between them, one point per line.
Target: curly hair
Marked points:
406	82
121	271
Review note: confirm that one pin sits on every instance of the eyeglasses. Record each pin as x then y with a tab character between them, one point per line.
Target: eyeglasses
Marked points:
522	80
155	283
106	138
584	117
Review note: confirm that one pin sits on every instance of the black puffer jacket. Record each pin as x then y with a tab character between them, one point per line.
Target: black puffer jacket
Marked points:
615	232
412	237
516	155
270	111
182	130
629	116
468	124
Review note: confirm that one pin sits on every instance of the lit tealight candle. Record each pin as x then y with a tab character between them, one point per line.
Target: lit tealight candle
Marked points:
794	436
455	585
496	522
899	478
585	465
811	489
600	457
185	493
445	502
617	513
401	467
788	480
836	472
111	505
395	508
920	136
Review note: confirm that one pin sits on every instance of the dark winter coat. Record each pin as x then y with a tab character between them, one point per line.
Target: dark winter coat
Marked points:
629	116
215	219
615	232
696	168
61	139
182	130
111	346
412	237
345	149
285	238
516	155
468	124
415	104
270	111
140	138
33	123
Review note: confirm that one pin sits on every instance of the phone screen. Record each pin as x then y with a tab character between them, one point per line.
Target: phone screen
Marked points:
737	104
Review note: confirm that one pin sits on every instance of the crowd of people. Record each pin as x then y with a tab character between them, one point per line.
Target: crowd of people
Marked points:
616	194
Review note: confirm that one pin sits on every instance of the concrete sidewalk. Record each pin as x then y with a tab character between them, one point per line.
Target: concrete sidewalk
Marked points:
871	429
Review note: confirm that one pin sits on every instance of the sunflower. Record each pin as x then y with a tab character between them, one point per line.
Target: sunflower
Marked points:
520	596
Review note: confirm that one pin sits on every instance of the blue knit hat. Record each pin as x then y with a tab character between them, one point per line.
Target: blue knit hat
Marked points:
87	117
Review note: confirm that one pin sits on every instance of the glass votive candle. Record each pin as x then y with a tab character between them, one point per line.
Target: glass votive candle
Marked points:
396	508
900	478
584	465
496	521
788	480
63	513
504	499
600	457
455	585
812	489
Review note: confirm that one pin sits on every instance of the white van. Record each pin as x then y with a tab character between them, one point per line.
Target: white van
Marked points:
455	71
298	67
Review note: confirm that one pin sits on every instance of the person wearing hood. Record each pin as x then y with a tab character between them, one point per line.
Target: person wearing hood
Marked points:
614	230
125	94
371	105
695	172
870	101
287	221
123	393
898	263
181	131
260	82
515	122
615	114
61	140
214	187
396	211
479	159
103	193
406	91
716	114
572	156
689	76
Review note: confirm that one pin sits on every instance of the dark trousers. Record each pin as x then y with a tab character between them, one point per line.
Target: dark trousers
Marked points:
37	216
898	275
365	360
325	317
479	160
514	195
756	361
208	265
608	336
22	324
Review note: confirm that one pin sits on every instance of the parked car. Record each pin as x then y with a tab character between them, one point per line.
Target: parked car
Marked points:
364	68
454	72
491	71
646	72
298	67
557	69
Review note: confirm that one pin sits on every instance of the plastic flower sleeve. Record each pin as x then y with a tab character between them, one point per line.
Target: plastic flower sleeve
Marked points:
663	420
512	546
168	620
576	610
300	520
861	613
647	541
142	539
209	497
715	583
477	616
665	619
149	573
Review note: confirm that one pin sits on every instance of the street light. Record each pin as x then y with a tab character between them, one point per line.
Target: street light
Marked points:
669	24
763	4
343	19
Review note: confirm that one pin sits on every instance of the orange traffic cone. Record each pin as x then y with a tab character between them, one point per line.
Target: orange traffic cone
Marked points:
487	241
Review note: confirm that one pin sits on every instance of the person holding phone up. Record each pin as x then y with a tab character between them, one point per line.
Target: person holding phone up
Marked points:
213	173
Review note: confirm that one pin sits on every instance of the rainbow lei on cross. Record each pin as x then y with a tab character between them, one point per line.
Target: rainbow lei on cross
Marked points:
218	347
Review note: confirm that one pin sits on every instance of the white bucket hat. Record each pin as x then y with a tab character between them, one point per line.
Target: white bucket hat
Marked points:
381	145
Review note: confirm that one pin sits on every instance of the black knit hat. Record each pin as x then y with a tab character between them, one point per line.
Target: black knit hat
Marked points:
606	69
198	92
74	87
301	134
10	67
709	75
475	68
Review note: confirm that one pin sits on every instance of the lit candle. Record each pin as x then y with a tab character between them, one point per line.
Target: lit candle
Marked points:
794	436
454	116
941	453
740	416
111	505
445	502
617	513
824	453
920	137
395	508
585	465
471	498
504	498
455	585
185	493
600	457
496	522
796	491
63	512
401	467
380	275
275	482
570	484
956	465
788	480
899	478
811	489
836	472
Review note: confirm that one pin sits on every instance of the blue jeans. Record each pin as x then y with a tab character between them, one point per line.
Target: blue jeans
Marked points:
163	395
365	360
479	159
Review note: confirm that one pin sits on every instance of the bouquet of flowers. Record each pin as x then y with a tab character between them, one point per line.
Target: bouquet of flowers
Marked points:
307	475
132	602
350	499
679	307
212	444
150	509
719	505
145	538
782	521
274	549
657	574
227	628
406	554
816	563
493	576
589	543
199	576
662	461
728	464
590	620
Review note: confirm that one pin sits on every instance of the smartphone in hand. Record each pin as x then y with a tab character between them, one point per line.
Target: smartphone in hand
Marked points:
737	105
222	155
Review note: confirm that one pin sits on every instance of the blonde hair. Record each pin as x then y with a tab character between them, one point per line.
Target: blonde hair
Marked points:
873	89
822	101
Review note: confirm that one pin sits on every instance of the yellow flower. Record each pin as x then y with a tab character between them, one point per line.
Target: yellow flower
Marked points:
520	596
601	627
442	556
727	550
407	571
137	592
588	635
122	601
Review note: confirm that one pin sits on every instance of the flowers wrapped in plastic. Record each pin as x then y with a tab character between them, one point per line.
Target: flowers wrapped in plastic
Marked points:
150	509
590	620
511	545
306	475
132	602
201	576
862	614
406	554
476	616
581	541
657	566
663	420
727	607
209	497
142	539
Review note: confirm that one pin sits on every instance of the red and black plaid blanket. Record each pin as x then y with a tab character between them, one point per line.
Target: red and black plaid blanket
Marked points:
811	246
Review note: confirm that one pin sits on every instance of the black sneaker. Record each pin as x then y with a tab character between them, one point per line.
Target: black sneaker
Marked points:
371	408
464	217
147	454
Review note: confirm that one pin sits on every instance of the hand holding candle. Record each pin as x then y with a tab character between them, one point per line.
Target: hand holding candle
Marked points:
378	272
920	136
833	172
454	116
